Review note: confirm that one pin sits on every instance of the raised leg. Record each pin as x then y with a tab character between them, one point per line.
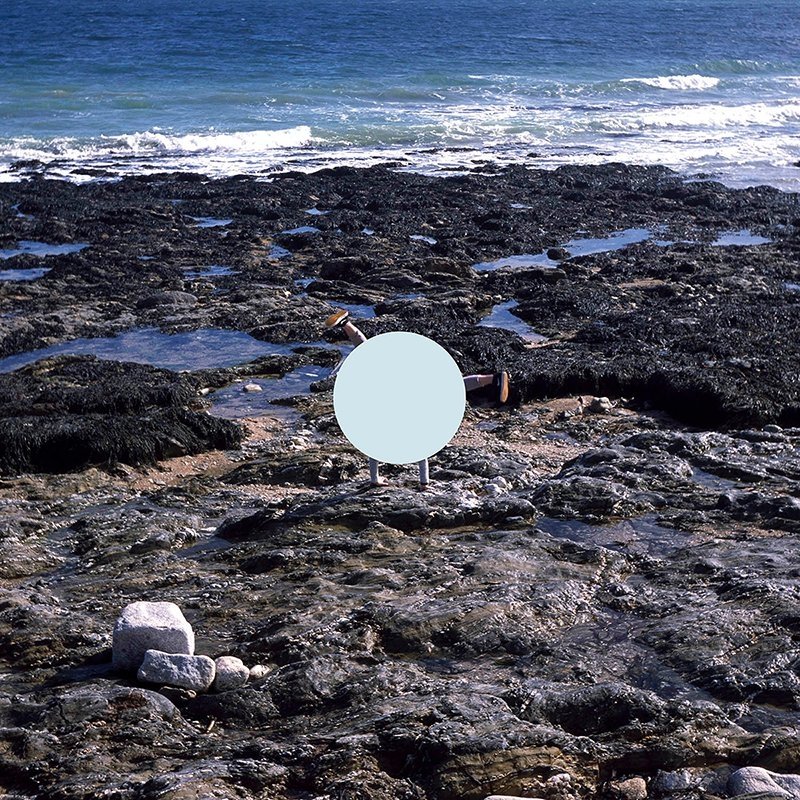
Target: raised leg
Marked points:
473	382
355	336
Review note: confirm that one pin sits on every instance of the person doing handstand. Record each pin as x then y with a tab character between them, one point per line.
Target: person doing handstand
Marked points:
340	321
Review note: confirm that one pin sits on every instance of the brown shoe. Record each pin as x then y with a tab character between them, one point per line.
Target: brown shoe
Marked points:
339	317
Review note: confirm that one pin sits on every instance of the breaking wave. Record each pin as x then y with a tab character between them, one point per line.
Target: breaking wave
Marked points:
677	82
723	118
156	143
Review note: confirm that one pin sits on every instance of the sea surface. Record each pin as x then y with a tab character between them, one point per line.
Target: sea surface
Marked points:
708	87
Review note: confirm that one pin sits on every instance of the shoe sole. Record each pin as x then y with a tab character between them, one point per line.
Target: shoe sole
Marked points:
337	318
502	393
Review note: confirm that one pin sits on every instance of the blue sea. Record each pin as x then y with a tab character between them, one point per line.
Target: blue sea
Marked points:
708	87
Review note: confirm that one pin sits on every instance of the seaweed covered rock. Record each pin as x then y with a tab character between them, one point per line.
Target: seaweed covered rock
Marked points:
590	600
69	412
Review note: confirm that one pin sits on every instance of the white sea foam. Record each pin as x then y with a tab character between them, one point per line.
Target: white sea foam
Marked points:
677	82
156	143
707	115
243	142
738	142
736	66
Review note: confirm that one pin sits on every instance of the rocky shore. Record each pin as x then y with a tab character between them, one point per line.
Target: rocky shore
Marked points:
598	597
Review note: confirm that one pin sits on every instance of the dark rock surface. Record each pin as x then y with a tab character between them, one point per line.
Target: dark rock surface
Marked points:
593	599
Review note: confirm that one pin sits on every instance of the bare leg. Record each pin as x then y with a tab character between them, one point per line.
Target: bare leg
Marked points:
499	379
356	338
423	474
374	474
354	334
473	382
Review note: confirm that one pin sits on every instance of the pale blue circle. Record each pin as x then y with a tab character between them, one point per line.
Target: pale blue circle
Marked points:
399	397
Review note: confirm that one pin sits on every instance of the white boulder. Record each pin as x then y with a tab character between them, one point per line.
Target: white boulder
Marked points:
144	626
174	669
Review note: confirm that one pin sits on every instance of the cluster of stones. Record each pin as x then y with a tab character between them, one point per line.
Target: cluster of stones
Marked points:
155	641
752	782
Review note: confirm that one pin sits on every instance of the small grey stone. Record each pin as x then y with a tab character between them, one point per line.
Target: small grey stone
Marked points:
500	481
146	626
629	789
173	669
171	298
231	673
258	672
252	387
600	405
672	782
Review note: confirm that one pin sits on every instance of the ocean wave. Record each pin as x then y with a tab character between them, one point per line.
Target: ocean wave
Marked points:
677	82
744	141
707	116
157	143
241	142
